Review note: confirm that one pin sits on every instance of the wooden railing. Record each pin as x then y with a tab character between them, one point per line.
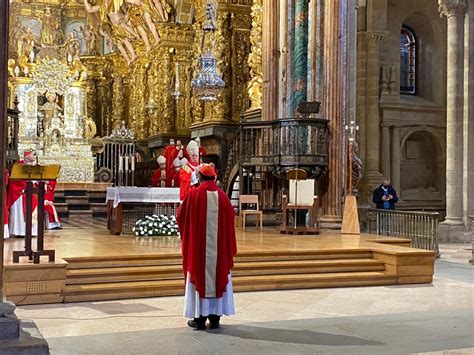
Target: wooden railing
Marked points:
420	227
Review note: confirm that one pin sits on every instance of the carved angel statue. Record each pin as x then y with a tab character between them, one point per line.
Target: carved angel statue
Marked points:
91	39
114	26
211	15
25	45
162	8
72	47
357	167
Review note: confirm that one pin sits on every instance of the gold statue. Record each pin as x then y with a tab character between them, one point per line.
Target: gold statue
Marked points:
113	25
72	47
47	28
25	45
136	13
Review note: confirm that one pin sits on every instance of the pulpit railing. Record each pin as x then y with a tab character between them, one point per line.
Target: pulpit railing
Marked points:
420	227
285	144
12	135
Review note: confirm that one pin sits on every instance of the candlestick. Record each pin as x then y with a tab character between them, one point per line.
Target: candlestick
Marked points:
120	168
133	163
126	163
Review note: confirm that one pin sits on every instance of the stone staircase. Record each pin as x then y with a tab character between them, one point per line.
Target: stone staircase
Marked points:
107	278
79	203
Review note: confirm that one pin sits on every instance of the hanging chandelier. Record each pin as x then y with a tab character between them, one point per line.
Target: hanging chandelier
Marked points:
207	83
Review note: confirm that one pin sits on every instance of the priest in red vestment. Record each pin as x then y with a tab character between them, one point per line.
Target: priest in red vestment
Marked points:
6	232
16	201
178	164
52	218
160	178
168	154
188	174
206	224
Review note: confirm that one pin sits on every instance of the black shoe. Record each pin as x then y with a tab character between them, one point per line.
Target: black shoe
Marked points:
215	321
197	323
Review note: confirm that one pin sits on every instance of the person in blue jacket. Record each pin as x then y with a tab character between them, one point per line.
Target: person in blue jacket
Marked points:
385	197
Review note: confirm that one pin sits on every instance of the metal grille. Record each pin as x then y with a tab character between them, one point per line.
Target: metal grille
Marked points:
133	212
35	287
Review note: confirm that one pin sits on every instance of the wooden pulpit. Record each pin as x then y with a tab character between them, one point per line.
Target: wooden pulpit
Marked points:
35	176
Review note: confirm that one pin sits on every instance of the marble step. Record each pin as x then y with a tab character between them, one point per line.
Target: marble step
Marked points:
140	273
121	290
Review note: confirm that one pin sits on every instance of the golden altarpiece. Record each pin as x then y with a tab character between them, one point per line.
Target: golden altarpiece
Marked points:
122	60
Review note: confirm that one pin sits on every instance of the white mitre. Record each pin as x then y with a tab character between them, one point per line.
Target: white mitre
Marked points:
192	148
179	162
161	160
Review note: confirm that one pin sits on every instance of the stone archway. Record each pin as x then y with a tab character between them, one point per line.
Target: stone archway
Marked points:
422	168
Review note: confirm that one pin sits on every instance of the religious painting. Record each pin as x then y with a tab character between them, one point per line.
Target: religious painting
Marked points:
33	24
76	28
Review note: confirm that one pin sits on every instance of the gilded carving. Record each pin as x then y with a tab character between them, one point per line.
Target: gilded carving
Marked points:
255	56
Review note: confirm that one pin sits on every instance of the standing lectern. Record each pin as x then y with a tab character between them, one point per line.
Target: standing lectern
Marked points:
35	176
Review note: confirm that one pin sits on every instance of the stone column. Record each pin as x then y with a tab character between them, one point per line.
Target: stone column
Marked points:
396	159
386	150
373	117
300	56
454	10
469	113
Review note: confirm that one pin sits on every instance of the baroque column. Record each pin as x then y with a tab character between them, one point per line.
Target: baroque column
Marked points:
300	56
270	59
455	11
255	57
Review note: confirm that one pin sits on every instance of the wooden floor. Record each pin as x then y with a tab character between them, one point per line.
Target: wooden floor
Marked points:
91	265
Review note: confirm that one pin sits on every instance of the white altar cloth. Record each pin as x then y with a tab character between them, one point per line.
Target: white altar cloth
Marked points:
143	194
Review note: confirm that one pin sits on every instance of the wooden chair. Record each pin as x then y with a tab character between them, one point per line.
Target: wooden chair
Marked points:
250	199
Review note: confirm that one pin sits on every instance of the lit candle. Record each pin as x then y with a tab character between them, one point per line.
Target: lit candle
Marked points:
133	163
126	163
120	163
26	71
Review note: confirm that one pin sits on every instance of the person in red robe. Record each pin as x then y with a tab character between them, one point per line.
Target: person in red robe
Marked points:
6	232
178	164
16	201
188	173
168	154
160	178
52	218
206	224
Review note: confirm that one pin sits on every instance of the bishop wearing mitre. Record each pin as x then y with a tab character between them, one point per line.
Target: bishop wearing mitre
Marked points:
16	201
160	178
188	174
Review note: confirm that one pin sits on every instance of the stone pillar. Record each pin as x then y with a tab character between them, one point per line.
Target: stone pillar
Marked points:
373	114
386	151
469	114
454	10
396	159
361	93
270	59
300	55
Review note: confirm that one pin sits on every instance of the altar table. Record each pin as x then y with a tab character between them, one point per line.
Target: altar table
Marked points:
128	204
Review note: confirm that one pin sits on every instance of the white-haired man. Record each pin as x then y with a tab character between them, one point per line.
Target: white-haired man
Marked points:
159	177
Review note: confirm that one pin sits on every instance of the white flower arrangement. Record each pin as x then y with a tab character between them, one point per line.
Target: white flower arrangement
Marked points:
155	226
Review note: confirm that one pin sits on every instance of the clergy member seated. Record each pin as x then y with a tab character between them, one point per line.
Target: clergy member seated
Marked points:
159	178
16	201
178	164
206	223
51	218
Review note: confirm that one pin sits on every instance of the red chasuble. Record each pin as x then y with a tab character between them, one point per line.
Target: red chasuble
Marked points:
156	179
206	224
16	188
185	175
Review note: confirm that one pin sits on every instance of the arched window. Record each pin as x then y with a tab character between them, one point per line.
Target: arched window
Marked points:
407	61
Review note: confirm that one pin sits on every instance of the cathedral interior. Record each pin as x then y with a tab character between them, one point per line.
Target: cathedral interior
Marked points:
301	81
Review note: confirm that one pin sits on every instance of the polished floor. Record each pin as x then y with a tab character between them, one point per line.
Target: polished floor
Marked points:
434	318
89	238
